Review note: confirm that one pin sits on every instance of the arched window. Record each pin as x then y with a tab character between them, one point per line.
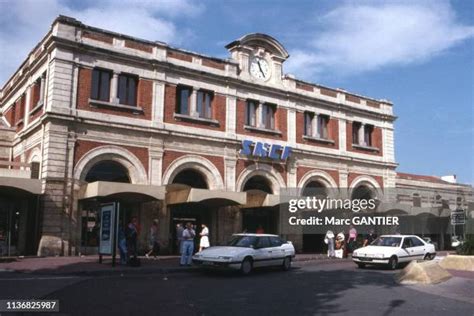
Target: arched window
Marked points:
192	178
258	183
315	188
108	171
362	192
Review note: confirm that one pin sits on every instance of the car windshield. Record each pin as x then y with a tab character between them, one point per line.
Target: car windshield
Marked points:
387	241
243	241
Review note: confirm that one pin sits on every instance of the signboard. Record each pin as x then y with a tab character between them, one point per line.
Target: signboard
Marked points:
265	150
107	228
458	217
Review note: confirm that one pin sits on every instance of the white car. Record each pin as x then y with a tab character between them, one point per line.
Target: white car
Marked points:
394	249
247	251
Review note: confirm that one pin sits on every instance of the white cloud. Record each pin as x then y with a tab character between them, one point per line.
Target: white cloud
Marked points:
356	38
24	22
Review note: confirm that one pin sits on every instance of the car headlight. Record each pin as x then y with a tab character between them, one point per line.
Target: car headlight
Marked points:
224	257
197	255
378	255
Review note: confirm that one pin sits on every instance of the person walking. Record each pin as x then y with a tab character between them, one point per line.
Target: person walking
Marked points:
351	241
369	238
132	238
204	242
154	245
187	245
179	237
122	244
329	240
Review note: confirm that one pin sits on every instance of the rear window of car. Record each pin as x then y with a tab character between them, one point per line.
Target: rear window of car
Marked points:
416	242
275	241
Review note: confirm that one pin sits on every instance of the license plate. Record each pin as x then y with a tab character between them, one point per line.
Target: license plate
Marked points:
365	259
207	263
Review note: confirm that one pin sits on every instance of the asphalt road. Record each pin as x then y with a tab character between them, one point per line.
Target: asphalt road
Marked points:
308	289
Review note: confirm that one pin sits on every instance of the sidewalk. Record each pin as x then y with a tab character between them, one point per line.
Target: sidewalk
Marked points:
89	265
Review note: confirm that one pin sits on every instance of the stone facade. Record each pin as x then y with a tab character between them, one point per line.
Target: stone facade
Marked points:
48	104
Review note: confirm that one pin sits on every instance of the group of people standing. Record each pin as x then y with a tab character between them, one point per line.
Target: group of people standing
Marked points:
185	241
128	241
339	246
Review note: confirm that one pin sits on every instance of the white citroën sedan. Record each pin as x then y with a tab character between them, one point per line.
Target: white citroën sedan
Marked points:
247	251
391	250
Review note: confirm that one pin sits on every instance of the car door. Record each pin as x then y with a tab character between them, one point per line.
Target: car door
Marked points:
262	252
419	247
276	251
408	250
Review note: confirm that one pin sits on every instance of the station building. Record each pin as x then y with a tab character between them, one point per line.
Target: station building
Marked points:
92	116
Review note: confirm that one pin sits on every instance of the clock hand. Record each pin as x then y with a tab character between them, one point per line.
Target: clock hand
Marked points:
260	67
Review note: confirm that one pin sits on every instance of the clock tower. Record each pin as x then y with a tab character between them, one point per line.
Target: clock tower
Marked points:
260	58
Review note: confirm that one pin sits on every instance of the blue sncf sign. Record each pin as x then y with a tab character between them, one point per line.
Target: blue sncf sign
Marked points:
265	150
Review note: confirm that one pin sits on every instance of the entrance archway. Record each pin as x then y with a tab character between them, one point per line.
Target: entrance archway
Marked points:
192	178
108	170
258	219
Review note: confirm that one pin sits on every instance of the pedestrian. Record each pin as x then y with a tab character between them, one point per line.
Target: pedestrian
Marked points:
369	238
154	245
351	241
260	230
329	240
340	245
179	236
132	237
187	245
204	242
122	244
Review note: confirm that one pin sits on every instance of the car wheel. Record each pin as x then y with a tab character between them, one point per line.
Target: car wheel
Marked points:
361	265
427	257
246	266
393	263
286	264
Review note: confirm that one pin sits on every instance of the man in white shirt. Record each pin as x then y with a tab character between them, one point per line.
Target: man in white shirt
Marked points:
187	245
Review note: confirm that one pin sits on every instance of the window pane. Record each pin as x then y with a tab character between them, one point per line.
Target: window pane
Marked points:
307	124
104	86
132	91
251	113
199	107
184	101
95	84
208	103
122	90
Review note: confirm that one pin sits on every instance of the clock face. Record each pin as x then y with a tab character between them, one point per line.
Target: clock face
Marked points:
259	68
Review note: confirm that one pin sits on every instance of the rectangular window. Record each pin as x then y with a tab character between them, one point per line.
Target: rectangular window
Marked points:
204	103
268	115
323	121
355	133
308	123
368	131
183	100
251	115
100	89
127	89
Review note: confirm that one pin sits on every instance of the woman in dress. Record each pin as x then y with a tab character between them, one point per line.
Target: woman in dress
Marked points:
204	242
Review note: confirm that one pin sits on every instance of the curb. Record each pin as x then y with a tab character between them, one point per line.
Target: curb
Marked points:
140	270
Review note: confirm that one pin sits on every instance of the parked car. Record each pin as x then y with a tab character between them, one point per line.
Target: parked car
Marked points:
456	241
248	251
390	250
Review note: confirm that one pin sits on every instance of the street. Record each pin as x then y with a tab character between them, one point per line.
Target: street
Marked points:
310	288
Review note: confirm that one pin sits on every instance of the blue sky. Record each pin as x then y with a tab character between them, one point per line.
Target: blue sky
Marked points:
418	54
